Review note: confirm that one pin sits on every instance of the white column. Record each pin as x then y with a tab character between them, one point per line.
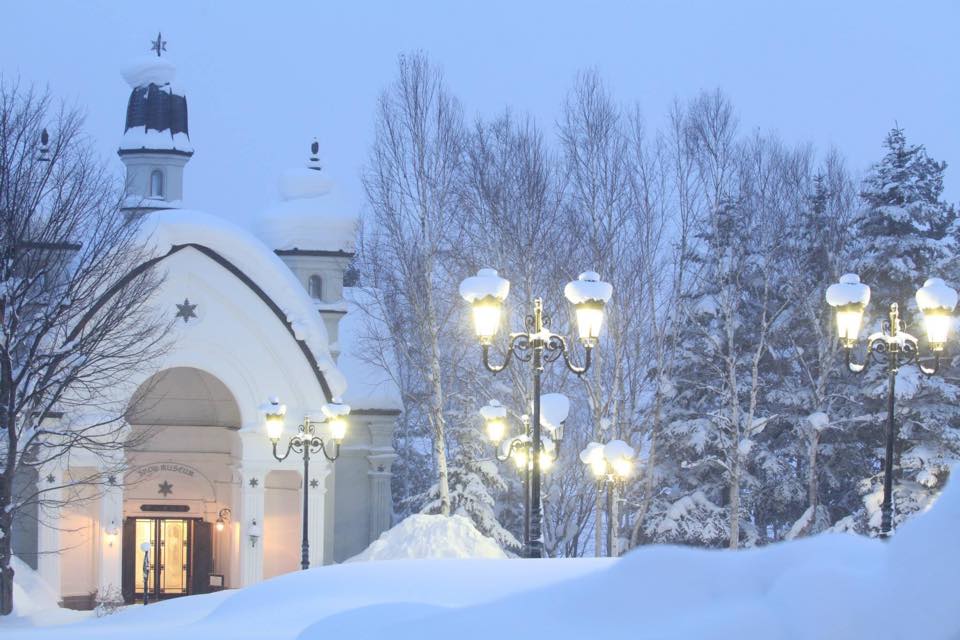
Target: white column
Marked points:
110	540
315	503
381	500
250	522
48	528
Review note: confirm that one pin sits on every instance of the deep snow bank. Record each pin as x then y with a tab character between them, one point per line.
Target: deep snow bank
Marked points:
431	536
35	603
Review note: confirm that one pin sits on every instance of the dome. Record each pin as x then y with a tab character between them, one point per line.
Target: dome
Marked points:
310	215
156	113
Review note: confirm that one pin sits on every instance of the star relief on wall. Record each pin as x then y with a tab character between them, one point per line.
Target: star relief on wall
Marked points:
254	482
165	488
314	483
186	310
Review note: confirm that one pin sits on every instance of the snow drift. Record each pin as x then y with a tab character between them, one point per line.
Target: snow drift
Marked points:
423	536
830	586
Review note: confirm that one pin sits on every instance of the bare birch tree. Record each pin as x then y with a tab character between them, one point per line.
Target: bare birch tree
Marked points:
74	311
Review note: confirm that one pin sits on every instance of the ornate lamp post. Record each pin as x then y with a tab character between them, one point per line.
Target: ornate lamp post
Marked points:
612	465
306	442
519	448
893	347
537	345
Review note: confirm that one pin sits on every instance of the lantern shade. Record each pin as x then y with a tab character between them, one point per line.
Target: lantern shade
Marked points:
849	298
486	292
937	302
494	415
336	415
220	524
274	414
588	295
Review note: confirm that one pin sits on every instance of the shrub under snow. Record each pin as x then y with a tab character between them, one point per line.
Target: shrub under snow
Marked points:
424	536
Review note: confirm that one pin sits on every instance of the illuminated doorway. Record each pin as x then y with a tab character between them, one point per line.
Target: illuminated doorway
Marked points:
180	557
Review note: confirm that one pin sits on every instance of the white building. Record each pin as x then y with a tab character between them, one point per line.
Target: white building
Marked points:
254	317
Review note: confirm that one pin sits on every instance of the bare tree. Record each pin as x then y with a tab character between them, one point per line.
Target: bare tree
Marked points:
411	182
76	321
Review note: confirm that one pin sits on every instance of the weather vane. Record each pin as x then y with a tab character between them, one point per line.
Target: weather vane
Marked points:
159	44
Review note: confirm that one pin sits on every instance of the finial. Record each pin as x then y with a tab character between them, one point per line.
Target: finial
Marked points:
43	152
314	162
159	44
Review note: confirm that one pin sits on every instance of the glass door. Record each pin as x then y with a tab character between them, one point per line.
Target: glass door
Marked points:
169	556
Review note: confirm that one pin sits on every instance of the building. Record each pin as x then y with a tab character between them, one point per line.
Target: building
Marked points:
254	316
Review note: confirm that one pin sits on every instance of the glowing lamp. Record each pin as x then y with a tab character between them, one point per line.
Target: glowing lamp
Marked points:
486	292
273	414
849	298
622	467
937	302
494	415
336	414
588	295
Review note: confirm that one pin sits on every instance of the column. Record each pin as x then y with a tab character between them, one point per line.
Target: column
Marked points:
381	497
110	540
50	482
250	523
316	501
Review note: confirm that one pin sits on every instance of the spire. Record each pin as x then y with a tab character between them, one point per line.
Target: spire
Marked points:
159	44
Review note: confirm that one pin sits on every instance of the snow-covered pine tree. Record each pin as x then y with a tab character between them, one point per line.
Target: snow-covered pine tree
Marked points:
473	477
902	238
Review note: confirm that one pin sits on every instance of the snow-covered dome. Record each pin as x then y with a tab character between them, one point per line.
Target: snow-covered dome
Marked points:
310	215
156	112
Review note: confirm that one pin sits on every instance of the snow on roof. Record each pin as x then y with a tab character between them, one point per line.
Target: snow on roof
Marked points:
310	215
142	138
369	383
848	291
423	536
166	229
146	70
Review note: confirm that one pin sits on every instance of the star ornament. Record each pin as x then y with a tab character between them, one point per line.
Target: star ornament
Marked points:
165	488
186	310
314	483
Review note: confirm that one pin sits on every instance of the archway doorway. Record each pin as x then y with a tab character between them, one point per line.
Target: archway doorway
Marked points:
181	455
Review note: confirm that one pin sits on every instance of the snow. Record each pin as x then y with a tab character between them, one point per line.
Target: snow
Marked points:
147	70
588	288
848	291
310	215
494	410
818	420
137	138
592	454
486	284
165	229
935	294
35	603
554	408
618	449
825	586
369	383
422	536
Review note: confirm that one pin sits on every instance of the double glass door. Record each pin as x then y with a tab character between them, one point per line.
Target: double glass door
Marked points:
169	556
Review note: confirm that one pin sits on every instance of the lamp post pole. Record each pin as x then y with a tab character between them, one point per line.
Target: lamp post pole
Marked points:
893	347
538	345
306	442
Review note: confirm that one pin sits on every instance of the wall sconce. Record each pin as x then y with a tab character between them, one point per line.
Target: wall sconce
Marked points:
254	531
110	532
223	517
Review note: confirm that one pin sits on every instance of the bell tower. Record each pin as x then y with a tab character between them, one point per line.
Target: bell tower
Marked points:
156	141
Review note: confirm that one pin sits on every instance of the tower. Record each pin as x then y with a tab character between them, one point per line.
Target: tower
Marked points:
156	142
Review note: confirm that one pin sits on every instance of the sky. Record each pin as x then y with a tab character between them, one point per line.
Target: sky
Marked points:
263	78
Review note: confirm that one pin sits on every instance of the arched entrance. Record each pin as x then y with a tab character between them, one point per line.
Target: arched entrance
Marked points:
181	454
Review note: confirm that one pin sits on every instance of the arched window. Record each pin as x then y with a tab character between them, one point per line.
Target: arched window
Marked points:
315	287
156	184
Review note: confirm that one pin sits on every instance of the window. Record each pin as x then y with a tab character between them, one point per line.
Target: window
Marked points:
156	184
315	287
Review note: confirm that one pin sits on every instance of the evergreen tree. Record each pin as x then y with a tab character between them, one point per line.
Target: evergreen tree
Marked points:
902	238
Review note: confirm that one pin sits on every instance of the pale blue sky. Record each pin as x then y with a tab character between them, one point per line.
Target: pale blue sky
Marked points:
263	78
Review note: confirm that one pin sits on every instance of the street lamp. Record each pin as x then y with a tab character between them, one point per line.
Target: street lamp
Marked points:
486	292
306	441
518	449
893	347
612	465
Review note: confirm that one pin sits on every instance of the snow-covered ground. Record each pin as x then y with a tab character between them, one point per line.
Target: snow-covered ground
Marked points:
832	586
424	536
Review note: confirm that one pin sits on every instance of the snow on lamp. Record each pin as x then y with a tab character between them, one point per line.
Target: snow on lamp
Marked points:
336	414
849	298
486	292
592	456
620	457
588	295
937	301
273	416
494	416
